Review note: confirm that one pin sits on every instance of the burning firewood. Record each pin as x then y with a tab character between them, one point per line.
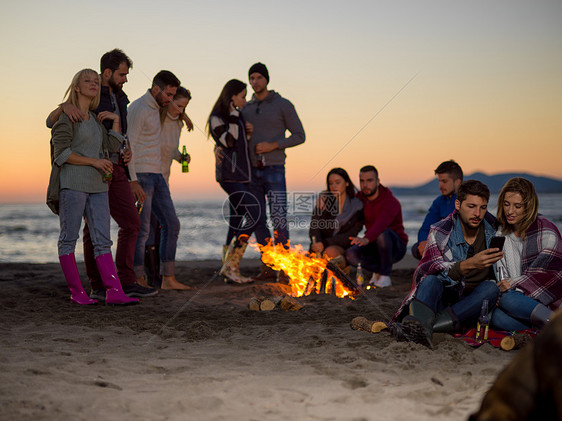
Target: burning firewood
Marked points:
308	273
286	303
514	341
361	323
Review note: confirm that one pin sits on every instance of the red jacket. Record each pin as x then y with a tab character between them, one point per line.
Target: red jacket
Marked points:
382	213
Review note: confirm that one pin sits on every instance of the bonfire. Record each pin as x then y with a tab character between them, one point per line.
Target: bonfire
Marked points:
307	272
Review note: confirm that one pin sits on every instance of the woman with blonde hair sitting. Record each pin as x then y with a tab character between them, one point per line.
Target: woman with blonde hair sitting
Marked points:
532	261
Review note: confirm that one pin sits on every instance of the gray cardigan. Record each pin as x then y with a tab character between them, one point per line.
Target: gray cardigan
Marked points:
87	138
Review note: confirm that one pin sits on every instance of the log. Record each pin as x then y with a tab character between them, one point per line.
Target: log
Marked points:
264	303
289	303
361	323
347	282
515	341
267	304
254	304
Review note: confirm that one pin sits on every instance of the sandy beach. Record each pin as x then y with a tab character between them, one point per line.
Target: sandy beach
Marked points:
202	355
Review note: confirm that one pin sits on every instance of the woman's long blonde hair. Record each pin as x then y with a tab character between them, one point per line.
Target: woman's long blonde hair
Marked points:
530	204
71	96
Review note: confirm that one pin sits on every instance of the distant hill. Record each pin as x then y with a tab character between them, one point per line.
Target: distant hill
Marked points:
494	182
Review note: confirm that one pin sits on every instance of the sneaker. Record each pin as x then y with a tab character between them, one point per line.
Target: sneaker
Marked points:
383	282
98	294
136	290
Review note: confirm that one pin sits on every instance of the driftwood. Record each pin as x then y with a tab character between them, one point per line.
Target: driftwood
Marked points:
514	341
361	323
286	303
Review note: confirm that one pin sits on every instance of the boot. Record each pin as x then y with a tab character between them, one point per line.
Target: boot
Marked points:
231	266
418	325
540	315
77	293
114	293
152	266
446	321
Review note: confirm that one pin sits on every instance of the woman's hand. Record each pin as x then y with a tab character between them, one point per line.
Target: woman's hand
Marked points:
317	248
107	115
104	165
249	130
504	285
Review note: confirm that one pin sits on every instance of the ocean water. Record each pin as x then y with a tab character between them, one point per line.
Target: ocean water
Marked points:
29	232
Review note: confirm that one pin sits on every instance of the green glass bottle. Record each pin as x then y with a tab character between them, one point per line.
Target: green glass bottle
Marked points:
184	163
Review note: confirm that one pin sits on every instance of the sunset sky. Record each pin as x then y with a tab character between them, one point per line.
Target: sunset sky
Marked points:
401	85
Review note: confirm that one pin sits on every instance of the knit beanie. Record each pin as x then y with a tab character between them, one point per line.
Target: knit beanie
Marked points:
261	69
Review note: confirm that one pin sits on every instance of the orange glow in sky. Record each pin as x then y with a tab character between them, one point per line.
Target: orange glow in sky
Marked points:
400	86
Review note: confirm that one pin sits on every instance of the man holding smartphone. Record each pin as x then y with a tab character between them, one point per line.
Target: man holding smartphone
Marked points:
455	274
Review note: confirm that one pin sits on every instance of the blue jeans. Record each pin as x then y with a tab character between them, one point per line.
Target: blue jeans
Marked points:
513	312
159	202
73	206
244	210
270	183
379	255
466	307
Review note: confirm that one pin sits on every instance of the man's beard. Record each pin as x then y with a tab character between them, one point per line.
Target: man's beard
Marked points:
114	86
371	192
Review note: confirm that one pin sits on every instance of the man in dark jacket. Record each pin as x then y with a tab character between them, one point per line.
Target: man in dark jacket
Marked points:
114	66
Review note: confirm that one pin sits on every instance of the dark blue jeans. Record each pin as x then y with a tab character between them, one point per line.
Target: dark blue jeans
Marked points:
379	255
244	210
430	292
159	201
270	183
513	312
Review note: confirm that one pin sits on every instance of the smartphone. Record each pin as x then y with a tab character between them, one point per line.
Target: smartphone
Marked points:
497	242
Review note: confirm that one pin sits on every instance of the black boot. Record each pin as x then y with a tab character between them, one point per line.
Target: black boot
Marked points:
540	315
446	321
418	325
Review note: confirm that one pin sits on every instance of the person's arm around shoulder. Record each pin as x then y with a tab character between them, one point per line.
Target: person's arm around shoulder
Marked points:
73	113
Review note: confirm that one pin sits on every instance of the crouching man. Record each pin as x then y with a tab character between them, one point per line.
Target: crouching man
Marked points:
455	274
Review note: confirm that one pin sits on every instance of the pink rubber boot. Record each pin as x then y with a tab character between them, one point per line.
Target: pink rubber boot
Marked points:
114	292
77	293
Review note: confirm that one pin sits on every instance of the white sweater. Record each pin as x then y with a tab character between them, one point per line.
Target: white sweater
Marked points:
169	143
143	131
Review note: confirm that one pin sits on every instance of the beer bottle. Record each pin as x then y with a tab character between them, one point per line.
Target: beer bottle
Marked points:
359	279
107	176
124	147
483	324
184	163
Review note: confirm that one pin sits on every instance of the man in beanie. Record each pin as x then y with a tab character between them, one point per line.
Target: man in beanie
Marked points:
271	116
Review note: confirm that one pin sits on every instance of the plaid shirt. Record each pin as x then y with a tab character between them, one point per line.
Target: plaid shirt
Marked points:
439	257
541	264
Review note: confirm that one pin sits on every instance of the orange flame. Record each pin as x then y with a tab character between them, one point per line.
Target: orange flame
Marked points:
304	270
